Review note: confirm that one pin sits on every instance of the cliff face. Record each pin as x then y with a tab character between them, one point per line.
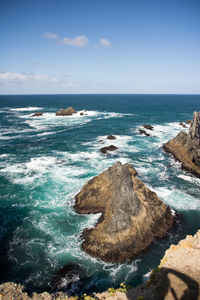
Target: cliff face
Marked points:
132	215
186	147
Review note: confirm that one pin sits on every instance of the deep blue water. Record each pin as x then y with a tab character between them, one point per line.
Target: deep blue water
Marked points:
45	161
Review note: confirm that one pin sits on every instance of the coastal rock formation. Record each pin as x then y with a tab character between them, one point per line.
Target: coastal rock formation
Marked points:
105	150
142	131
186	146
37	114
147	126
177	277
132	215
66	112
111	137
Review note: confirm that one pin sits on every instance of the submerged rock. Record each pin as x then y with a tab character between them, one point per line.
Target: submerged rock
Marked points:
111	137
66	112
132	215
185	147
37	114
142	131
105	150
147	126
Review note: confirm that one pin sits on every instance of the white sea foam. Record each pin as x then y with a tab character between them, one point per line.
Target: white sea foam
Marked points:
28	108
189	178
177	199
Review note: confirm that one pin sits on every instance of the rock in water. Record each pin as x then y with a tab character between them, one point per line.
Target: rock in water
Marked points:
37	114
147	126
66	112
105	150
111	137
142	131
132	215
186	146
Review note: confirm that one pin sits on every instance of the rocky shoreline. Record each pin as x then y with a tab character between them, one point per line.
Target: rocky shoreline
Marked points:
185	147
177	277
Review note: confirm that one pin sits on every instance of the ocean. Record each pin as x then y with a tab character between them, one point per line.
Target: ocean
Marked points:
45	161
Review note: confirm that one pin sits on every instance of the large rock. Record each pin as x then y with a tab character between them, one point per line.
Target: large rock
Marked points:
132	215
186	146
66	112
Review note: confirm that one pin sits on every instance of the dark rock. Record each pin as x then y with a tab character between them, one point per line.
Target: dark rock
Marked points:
185	147
66	112
68	278
81	114
142	131
182	124
111	137
188	122
148	127
132	215
37	114
105	150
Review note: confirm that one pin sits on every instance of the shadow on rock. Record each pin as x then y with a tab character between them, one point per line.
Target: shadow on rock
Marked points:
167	284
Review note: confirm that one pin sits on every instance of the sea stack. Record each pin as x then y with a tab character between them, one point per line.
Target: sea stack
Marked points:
66	112
185	147
132	215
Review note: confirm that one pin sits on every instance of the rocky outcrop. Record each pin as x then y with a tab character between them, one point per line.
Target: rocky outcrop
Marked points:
37	114
66	112
111	137
132	215
185	147
105	150
147	126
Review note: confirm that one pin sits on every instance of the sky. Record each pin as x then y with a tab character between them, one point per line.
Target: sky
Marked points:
99	46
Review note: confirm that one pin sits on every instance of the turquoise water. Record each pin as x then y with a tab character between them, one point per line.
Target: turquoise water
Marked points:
45	161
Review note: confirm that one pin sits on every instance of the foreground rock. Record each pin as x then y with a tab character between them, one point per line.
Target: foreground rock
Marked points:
186	147
105	150
66	112
37	114
178	277
132	215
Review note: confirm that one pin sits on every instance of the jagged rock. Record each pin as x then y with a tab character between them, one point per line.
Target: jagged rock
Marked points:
182	124
111	137
66	112
188	122
37	114
142	131
105	150
148	127
185	147
132	215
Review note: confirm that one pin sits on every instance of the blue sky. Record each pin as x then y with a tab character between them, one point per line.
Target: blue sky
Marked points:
100	46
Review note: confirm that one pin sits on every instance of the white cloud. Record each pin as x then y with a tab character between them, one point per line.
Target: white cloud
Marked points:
32	83
50	36
78	41
105	43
